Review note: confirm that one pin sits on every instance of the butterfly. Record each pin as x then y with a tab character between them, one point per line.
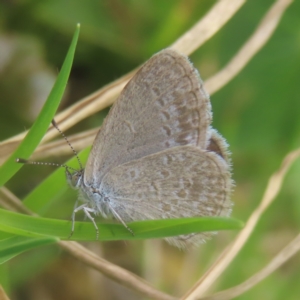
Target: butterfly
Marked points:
156	155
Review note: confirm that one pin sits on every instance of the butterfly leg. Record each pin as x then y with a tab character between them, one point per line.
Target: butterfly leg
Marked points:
75	210
117	216
87	211
73	218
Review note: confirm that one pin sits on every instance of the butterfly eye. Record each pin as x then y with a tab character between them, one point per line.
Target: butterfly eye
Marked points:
74	179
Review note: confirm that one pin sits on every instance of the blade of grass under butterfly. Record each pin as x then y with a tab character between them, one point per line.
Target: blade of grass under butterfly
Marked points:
39	227
40	126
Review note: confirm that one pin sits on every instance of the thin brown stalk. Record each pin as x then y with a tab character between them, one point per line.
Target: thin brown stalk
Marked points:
284	255
114	272
273	188
210	24
3	295
80	110
259	38
10	202
59	147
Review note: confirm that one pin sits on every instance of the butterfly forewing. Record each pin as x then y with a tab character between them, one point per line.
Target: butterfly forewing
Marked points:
163	106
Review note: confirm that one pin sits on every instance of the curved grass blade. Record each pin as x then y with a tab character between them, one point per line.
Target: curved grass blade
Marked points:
40	126
16	245
37	227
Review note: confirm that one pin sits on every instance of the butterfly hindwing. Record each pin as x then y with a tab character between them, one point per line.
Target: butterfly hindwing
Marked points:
179	182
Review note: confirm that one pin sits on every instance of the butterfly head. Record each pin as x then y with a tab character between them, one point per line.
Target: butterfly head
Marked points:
74	178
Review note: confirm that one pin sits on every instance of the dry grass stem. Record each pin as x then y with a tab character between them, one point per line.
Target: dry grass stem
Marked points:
116	273
273	187
55	148
59	147
3	295
284	255
80	110
10	202
259	38
108	94
210	24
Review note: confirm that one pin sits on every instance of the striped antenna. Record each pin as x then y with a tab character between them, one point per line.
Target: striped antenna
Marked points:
29	162
25	161
67	141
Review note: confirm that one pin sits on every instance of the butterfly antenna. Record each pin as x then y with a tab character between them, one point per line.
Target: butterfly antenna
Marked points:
29	162
67	141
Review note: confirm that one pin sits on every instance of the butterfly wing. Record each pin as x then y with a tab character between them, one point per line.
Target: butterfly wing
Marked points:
178	182
163	106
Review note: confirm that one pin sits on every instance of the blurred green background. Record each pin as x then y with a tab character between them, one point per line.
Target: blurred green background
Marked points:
258	113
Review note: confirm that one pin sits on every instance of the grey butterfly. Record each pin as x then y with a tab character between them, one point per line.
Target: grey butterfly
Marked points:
156	155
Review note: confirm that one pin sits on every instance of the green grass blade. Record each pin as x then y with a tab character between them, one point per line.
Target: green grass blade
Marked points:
37	227
40	126
14	246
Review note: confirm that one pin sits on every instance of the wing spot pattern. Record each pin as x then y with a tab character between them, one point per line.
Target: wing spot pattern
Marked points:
166	130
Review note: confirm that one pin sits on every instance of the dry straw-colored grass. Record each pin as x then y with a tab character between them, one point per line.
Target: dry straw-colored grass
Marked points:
189	42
